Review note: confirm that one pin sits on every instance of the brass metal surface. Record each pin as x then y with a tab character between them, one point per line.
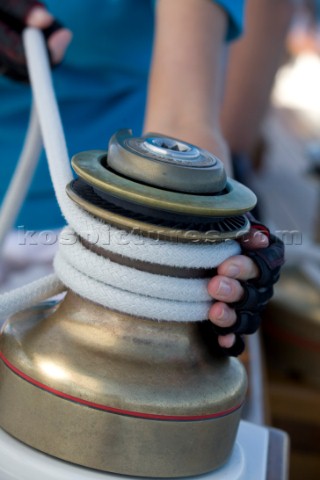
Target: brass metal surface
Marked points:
116	392
166	162
236	200
152	230
56	358
292	326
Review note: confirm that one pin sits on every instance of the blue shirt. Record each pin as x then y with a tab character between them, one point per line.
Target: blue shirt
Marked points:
101	88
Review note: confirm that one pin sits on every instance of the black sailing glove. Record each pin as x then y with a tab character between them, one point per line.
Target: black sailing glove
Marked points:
257	292
13	15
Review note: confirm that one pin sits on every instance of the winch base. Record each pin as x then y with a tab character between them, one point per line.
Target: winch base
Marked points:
248	461
118	393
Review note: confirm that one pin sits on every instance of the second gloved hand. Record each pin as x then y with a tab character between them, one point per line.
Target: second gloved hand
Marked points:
15	15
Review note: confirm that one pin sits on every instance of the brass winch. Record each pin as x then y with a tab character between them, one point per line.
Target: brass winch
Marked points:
119	392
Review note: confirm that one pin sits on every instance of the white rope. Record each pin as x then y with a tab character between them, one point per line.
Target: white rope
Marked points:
95	277
30	294
21	180
129	279
120	288
127	302
87	226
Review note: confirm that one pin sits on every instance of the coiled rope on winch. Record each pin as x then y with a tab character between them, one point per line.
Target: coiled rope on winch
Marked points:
90	275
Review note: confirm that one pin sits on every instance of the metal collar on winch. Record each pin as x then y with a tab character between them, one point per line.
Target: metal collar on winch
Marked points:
156	182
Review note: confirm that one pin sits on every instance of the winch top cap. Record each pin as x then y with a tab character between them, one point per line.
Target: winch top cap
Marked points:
163	174
166	162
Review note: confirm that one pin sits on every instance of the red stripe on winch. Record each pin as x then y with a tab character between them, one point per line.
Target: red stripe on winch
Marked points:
117	411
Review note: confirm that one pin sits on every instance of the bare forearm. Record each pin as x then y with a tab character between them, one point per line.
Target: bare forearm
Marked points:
185	80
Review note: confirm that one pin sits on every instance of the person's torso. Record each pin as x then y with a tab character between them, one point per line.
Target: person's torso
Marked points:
101	87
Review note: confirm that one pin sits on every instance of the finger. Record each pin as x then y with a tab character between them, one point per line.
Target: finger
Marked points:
239	267
222	315
226	341
225	289
58	37
58	43
254	239
39	17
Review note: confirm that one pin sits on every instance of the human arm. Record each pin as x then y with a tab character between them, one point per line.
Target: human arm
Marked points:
185	81
184	102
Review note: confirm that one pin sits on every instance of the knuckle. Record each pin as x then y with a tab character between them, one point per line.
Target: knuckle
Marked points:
252	270
238	291
222	315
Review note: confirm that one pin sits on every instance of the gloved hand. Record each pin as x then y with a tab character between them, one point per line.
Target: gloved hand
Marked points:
252	294
15	15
